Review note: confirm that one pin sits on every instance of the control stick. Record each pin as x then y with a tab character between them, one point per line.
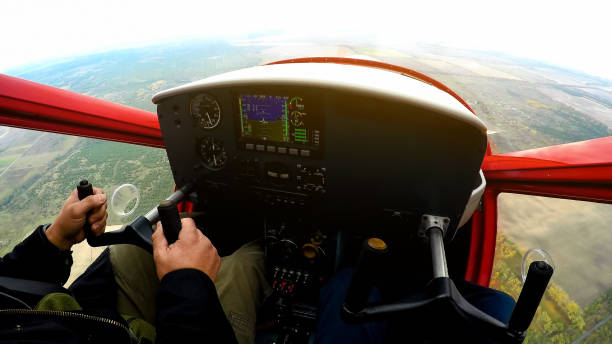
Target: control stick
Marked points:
527	304
139	232
440	302
170	219
84	189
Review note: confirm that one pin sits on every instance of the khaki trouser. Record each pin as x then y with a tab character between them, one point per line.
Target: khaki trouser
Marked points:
241	285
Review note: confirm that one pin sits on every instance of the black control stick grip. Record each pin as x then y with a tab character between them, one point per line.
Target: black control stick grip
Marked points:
170	219
84	189
370	259
538	276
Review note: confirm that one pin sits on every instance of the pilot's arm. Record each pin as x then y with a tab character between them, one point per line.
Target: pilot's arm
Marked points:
45	254
188	307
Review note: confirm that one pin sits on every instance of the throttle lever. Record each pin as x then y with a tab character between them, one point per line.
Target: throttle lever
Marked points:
372	254
85	189
170	220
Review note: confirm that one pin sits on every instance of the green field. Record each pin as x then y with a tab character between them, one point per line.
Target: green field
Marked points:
37	198
6	161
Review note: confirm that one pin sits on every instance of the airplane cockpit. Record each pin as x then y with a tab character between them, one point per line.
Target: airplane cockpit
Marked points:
335	165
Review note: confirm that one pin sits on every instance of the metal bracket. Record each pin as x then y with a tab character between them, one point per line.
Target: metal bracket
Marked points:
431	221
433	229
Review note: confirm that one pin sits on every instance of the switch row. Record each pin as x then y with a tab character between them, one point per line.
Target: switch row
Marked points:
279	150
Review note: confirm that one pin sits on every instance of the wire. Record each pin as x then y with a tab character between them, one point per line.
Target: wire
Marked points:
15	299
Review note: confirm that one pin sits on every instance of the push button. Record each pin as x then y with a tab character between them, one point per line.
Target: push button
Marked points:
260	148
293	151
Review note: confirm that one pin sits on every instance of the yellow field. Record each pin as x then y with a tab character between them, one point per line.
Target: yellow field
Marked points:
536	104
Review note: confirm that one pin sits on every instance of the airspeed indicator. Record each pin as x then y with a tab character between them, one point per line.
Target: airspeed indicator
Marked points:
205	111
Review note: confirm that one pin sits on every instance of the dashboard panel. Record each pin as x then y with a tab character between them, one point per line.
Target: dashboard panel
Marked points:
323	141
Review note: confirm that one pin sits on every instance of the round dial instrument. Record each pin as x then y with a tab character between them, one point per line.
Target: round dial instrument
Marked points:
212	152
296	103
296	119
205	111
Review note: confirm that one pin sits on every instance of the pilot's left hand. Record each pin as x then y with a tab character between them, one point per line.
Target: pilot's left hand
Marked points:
67	229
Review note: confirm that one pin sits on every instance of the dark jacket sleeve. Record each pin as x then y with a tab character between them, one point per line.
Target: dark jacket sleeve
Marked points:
35	258
188	310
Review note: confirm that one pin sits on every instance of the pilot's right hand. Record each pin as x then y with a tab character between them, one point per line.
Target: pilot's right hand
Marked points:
192	250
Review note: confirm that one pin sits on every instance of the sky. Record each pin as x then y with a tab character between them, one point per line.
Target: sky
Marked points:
571	34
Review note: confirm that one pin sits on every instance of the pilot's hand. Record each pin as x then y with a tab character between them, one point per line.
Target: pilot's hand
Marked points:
192	250
67	229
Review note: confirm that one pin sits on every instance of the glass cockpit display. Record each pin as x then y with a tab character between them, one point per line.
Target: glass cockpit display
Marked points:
265	117
284	121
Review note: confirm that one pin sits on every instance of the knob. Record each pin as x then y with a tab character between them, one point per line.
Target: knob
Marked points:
170	219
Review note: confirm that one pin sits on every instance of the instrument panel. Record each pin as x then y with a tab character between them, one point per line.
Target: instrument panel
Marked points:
275	124
322	148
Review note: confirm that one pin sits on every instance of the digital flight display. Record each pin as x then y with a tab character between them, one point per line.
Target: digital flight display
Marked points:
281	120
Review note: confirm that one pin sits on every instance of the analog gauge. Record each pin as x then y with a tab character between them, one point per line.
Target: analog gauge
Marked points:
212	152
296	103
205	111
296	119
